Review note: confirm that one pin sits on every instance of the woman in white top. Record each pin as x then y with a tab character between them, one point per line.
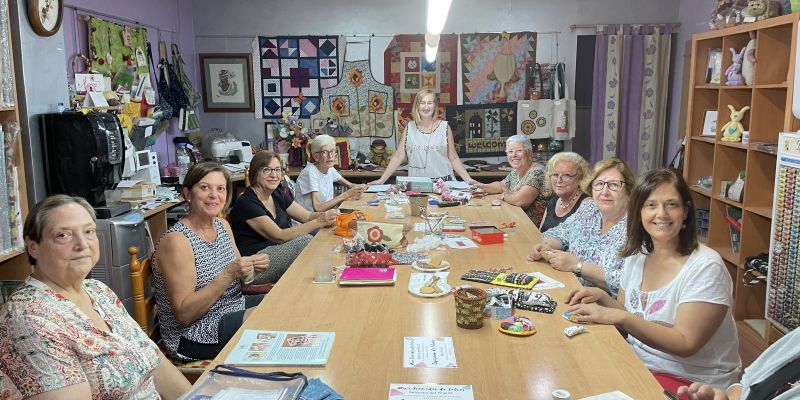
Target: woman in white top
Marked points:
427	142
314	186
675	295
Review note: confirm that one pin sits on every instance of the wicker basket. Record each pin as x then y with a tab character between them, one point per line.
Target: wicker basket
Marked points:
470	303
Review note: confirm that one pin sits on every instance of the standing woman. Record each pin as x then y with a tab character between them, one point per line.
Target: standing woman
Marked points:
676	295
262	217
587	243
565	171
524	185
427	142
198	272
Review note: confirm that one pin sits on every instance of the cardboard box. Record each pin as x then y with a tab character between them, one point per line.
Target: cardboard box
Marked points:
489	235
138	192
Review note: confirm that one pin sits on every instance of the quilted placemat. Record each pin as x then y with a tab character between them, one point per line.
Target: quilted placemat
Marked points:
293	72
407	71
493	66
482	129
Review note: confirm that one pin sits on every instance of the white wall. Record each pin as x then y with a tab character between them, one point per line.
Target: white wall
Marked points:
234	23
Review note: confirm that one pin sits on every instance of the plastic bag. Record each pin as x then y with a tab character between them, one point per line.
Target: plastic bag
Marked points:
233	382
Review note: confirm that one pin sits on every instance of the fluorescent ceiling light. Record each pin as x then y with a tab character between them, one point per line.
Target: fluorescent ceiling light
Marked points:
430	53
437	15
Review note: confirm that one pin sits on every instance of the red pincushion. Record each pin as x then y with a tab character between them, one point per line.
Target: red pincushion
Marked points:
367	259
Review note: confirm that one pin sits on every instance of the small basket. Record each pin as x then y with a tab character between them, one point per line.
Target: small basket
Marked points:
470	303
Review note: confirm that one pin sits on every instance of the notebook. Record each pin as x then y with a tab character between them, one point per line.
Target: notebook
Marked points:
367	276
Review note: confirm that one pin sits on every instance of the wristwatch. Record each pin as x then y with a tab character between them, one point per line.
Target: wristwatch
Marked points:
578	268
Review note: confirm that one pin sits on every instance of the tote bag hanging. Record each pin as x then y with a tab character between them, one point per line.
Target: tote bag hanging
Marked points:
534	118
563	108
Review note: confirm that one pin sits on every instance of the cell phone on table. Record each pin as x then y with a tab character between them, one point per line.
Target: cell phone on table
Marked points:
347	210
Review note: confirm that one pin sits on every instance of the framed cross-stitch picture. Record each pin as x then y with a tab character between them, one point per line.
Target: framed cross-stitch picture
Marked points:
227	82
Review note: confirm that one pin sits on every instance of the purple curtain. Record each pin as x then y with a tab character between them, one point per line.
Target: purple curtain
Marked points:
629	94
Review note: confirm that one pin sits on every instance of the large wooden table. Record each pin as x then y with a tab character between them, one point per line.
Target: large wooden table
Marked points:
370	323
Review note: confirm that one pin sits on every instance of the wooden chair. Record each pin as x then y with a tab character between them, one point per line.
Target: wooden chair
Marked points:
145	312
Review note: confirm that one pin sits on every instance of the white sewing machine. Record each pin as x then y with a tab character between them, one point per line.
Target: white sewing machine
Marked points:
222	151
141	165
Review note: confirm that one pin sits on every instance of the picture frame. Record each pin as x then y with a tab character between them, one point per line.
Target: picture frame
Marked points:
45	16
709	123
227	82
714	66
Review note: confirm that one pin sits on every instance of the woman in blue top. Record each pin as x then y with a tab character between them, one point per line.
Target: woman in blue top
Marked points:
588	242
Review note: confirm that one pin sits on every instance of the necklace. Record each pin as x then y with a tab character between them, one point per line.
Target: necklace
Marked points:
431	127
565	206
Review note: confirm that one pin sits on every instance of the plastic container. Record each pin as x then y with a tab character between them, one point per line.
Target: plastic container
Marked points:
183	158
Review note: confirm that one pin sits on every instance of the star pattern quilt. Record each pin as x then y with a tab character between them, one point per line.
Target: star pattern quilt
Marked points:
493	66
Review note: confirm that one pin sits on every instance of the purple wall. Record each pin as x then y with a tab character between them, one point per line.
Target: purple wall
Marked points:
168	15
693	16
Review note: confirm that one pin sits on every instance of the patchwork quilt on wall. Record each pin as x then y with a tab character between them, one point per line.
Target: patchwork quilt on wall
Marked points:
293	72
493	66
407	71
482	129
360	104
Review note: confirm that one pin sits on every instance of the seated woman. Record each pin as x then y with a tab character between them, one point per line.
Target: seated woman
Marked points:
588	242
198	272
314	186
675	295
524	185
261	218
427	142
565	171
773	375
67	337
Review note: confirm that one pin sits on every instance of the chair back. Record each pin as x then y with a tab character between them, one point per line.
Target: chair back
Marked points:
144	306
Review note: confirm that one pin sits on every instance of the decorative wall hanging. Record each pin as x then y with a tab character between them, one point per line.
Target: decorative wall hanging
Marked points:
294	70
493	65
360	102
407	71
482	129
45	16
534	118
115	48
226	82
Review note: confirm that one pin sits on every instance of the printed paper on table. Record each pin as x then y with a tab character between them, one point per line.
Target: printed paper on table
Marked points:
429	352
418	391
257	348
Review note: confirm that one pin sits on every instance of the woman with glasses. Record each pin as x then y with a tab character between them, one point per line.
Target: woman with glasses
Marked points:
524	185
675	295
564	172
198	272
428	144
261	218
315	183
588	242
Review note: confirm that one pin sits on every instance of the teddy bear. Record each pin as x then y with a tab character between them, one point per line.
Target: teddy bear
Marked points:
763	9
732	130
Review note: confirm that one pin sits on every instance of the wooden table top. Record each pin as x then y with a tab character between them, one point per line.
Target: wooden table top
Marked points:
370	323
294	172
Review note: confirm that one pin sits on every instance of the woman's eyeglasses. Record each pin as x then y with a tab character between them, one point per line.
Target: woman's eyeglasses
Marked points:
563	177
268	170
329	153
614	186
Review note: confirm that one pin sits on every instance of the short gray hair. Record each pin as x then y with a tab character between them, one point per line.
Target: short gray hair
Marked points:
39	216
526	143
581	167
321	140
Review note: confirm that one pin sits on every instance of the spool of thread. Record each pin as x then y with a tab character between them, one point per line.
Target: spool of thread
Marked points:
561	394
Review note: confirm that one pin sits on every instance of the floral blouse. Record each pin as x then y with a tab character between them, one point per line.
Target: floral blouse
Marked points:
580	234
48	344
535	179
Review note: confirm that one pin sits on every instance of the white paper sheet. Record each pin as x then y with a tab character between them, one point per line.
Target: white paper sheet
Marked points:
545	282
429	352
418	391
459	185
615	395
378	188
460	242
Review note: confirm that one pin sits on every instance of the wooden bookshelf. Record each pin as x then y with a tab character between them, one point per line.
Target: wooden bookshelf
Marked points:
770	99
14	265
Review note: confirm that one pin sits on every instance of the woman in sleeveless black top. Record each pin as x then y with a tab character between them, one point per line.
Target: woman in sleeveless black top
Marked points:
565	172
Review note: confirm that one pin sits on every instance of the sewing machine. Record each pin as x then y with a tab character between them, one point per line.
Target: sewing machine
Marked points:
223	151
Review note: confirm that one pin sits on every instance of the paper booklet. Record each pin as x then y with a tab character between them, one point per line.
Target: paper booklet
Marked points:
368	276
262	348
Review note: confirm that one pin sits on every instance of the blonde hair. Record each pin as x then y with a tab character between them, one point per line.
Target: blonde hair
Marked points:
418	99
581	168
603	166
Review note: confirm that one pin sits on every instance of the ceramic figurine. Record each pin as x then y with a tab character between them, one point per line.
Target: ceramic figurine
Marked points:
732	130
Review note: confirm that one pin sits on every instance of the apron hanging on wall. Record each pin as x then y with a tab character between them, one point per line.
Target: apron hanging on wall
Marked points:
359	102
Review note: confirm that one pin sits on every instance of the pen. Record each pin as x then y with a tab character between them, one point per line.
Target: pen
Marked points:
669	395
